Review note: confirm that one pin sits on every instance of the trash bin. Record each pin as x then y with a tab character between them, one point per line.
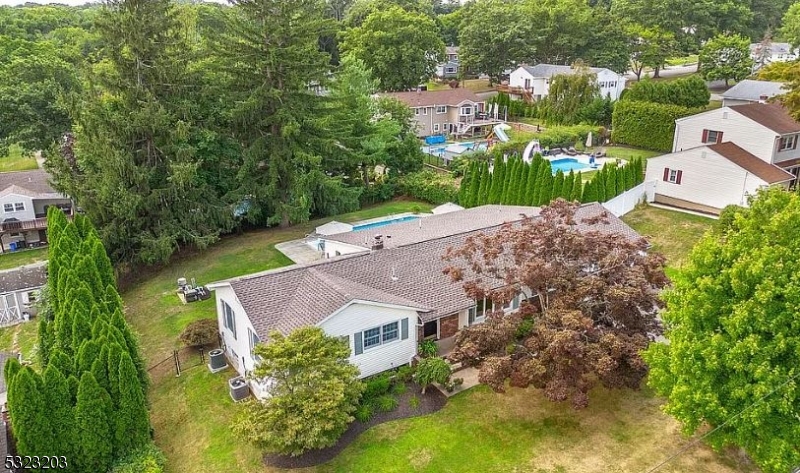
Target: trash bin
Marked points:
13	246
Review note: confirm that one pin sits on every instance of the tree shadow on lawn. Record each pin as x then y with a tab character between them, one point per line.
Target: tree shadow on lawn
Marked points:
432	401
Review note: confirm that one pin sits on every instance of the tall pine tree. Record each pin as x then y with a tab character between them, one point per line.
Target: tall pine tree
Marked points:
558	185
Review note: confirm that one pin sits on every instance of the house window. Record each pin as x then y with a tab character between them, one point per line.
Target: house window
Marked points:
788	142
254	340
425	111
435	127
440	109
229	318
612	84
445	128
466	110
602	85
712	136
383	334
451	70
672	175
8	207
416	111
18	206
32	296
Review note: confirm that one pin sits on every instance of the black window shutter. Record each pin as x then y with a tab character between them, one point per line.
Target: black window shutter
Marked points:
359	342
404	329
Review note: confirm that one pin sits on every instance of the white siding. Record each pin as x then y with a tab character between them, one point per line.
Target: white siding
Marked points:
788	154
737	128
13	199
614	83
541	85
240	345
711	180
518	76
359	317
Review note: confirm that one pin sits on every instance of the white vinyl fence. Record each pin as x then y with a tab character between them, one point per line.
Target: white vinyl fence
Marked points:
628	200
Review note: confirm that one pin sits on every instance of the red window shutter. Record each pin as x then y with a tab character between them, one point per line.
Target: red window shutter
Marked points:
678	179
705	136
666	174
719	137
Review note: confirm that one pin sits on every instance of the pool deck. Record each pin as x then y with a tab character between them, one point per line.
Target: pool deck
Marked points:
300	252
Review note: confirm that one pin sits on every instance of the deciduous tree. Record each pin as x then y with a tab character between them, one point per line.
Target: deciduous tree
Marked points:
593	302
569	94
731	319
726	57
313	397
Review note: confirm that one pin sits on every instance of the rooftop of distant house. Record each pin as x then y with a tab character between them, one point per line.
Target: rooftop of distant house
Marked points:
431	98
754	90
34	184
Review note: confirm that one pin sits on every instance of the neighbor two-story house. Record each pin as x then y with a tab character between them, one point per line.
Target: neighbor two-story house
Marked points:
25	197
534	81
449	69
721	157
765	53
382	299
443	112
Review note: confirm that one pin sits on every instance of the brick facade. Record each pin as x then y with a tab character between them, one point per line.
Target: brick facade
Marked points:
448	326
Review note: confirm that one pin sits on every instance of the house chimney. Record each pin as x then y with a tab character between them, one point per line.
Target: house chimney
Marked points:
377	242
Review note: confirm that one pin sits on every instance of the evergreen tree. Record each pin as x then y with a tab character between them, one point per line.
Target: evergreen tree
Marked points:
533	180
115	352
569	183
59	405
610	183
498	180
558	185
577	188
485	184
112	300
620	181
132	426
103	264
99	367
629	176
599	181
541	176
463	188
590	191
546	191
11	369
61	362
519	198
132	345
87	353
63	331
46	341
28	408
93	417
639	171
81	328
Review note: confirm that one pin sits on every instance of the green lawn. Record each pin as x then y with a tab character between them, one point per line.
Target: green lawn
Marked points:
672	233
683	61
12	259
627	152
21	338
17	160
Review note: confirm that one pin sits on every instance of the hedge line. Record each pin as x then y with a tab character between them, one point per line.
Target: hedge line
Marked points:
646	125
429	186
555	137
689	92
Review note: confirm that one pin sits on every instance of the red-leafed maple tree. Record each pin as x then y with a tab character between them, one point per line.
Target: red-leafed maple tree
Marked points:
592	300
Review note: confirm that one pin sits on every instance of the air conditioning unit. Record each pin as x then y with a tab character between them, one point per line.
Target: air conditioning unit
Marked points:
239	388
217	361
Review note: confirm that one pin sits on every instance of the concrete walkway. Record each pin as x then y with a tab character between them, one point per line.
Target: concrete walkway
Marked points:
299	251
470	377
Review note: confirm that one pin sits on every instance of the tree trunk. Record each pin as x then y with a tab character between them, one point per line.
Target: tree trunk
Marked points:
657	72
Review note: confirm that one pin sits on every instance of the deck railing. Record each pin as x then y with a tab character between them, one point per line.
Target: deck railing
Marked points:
25	225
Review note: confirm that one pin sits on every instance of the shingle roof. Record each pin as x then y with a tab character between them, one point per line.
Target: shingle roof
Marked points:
451	49
550	70
430	98
35	182
437	226
770	115
753	90
305	295
23	277
774	48
767	172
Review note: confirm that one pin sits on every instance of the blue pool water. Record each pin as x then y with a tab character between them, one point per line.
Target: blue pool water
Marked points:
566	165
382	223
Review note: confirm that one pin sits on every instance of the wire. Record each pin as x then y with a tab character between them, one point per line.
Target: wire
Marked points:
699	439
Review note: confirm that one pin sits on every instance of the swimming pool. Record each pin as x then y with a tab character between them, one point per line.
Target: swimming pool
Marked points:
382	223
566	165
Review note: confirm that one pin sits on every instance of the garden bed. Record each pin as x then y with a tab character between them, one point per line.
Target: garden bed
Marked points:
432	401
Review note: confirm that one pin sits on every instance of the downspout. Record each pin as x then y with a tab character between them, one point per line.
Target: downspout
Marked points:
744	188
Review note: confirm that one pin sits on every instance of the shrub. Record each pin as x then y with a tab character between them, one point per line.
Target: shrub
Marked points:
690	92
429	186
200	332
432	370
646	124
377	192
413	402
399	388
524	328
428	348
405	373
376	386
364	412
145	460
386	403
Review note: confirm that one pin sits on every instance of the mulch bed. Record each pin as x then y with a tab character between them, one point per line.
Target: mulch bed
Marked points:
432	401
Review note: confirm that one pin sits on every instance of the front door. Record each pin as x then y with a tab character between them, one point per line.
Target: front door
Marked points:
431	329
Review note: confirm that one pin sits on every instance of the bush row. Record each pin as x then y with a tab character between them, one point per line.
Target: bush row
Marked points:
646	125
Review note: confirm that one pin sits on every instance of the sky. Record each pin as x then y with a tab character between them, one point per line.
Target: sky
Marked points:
66	2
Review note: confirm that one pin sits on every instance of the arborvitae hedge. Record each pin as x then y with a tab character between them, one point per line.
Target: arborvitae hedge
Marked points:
74	409
646	125
690	92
